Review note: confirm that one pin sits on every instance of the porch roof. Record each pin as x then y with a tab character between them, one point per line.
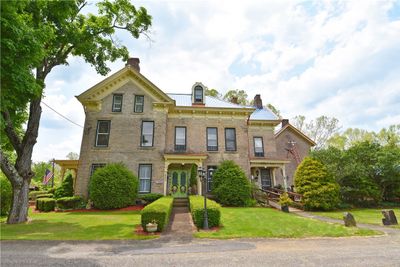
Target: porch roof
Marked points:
185	158
265	162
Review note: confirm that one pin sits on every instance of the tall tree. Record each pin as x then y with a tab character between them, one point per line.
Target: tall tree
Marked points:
240	95
72	155
213	93
319	130
36	37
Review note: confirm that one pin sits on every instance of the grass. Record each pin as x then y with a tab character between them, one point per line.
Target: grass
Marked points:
104	225
369	216
264	222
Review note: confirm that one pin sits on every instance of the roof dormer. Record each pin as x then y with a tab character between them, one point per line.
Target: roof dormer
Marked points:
198	94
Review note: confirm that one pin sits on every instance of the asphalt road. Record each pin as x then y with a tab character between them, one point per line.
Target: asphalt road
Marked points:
184	251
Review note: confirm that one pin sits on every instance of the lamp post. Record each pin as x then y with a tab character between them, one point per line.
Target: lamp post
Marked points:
202	175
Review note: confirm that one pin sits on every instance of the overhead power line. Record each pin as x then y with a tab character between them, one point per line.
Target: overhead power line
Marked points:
62	115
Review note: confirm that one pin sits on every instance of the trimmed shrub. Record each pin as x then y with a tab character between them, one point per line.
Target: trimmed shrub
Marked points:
320	190
33	194
45	204
230	185
5	195
66	203
193	180
159	211
197	211
151	197
52	190
44	195
113	186
66	189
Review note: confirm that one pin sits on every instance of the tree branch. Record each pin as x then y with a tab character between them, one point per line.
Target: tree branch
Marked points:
11	134
8	169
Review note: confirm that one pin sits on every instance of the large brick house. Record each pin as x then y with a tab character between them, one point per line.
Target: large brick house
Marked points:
159	136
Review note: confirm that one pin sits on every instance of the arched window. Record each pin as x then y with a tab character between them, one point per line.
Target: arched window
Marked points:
198	94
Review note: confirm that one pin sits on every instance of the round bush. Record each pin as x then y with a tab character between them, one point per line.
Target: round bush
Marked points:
230	185
5	194
113	186
319	188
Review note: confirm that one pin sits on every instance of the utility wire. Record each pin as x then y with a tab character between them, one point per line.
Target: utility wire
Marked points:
62	115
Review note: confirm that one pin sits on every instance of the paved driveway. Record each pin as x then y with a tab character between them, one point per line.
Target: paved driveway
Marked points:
184	251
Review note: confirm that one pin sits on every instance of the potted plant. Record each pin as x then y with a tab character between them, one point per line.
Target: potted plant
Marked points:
285	201
152	226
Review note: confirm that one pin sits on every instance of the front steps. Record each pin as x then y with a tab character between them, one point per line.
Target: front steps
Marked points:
181	202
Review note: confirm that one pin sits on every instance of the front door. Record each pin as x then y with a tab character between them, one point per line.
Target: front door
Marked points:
179	182
266	179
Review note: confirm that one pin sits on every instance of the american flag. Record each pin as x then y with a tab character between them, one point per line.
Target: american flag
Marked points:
47	176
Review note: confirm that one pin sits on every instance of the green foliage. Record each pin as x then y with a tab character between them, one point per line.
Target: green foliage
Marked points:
285	200
151	197
5	195
66	203
241	96
213	93
33	194
66	189
197	211
230	185
44	196
159	211
45	204
320	190
113	186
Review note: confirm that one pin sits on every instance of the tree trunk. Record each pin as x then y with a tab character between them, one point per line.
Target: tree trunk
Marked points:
20	203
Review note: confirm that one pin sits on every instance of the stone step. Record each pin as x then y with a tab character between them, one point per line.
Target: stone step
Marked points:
181	202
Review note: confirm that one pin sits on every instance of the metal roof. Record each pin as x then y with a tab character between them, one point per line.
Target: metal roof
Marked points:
185	100
263	115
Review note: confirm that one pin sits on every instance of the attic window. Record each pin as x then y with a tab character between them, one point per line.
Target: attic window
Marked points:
198	94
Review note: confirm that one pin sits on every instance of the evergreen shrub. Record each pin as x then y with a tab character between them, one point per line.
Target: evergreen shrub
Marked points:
113	186
231	186
66	189
45	204
66	203
319	189
5	195
159	211
197	211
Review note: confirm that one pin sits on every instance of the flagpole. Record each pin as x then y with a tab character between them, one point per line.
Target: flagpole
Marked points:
52	180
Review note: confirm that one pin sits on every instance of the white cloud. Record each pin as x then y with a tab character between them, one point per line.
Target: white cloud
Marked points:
340	59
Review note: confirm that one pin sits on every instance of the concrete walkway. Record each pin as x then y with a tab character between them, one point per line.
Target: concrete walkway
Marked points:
181	226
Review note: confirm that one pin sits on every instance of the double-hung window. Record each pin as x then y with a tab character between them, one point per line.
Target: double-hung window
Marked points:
212	139
139	104
117	103
102	133
198	94
180	138
258	147
230	139
96	166
144	178
147	133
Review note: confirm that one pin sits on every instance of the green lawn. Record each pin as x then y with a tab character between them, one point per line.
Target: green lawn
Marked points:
264	222
371	216
75	226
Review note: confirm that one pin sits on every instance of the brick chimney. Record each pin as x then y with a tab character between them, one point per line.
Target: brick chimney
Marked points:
134	63
258	102
285	122
234	100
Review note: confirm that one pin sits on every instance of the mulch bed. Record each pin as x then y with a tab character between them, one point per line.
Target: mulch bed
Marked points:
140	231
130	208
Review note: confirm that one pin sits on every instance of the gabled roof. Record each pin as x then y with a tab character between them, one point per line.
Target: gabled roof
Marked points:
93	95
297	131
263	115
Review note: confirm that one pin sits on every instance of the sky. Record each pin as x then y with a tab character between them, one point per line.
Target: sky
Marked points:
335	58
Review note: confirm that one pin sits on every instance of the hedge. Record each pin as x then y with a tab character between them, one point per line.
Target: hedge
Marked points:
66	189
33	194
158	211
5	195
151	197
197	211
44	195
66	203
45	204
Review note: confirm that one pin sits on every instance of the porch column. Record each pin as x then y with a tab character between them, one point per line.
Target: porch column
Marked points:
273	177
166	177
284	178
